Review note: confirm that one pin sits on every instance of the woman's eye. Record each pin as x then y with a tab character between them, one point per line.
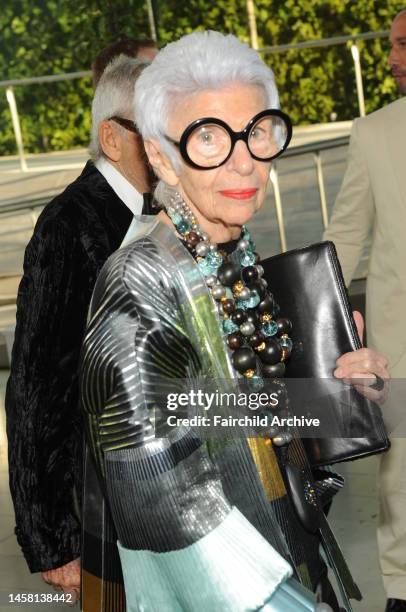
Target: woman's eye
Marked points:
206	137
257	133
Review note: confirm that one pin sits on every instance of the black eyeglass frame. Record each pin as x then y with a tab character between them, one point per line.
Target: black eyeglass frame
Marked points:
234	136
125	123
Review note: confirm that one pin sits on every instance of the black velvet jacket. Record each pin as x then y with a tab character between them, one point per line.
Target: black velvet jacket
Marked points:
73	237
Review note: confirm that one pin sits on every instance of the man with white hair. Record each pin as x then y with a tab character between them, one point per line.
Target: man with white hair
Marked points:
74	236
373	198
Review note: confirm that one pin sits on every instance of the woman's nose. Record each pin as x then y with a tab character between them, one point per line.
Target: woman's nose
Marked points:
241	160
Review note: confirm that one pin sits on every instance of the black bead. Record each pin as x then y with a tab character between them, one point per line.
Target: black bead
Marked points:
256	339
271	353
284	326
276	370
235	340
261	286
249	275
244	359
239	316
228	306
267	305
228	273
193	238
253	317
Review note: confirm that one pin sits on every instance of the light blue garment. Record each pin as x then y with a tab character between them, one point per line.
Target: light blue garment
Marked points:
231	569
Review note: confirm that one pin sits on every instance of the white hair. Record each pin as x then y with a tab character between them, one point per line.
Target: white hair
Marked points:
197	62
114	96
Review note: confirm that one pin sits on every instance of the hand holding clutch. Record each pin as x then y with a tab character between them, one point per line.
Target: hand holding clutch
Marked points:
364	368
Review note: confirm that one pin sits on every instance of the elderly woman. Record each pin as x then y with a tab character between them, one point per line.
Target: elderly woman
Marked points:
203	524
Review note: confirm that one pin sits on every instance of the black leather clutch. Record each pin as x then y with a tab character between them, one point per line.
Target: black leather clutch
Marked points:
309	287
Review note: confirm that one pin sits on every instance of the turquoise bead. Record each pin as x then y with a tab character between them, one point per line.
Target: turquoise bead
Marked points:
214	259
270	328
286	343
229	326
177	218
255	383
253	300
247	259
206	267
182	227
243	304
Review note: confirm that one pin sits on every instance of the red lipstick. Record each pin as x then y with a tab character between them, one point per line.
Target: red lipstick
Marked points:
239	194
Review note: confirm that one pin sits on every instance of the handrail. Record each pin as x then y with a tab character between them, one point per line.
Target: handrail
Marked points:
325	42
294	151
315	147
50	78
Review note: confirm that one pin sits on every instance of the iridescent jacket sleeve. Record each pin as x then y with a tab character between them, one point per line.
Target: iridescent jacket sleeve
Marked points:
183	545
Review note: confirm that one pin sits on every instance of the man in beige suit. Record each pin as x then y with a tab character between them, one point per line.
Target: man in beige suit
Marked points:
373	198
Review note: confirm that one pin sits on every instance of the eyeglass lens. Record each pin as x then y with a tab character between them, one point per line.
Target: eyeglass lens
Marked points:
210	144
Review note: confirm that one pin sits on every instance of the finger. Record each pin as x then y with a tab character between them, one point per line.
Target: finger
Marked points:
379	397
362	363
361	356
364	373
359	323
379	384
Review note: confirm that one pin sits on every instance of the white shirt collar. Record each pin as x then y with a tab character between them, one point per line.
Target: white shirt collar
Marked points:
125	191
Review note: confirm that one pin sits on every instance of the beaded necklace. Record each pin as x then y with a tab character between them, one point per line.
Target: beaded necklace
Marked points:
258	339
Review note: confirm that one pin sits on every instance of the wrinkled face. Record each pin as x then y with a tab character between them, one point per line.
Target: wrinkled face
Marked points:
397	55
230	194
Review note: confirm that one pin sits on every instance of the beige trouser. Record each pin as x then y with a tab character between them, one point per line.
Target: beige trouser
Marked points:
392	517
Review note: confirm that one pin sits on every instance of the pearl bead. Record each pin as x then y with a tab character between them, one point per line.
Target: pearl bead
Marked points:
282	439
204	236
228	306
271	353
243	244
239	316
202	248
213	247
247	329
228	273
244	294
235	340
276	370
218	291
211	280
244	359
284	326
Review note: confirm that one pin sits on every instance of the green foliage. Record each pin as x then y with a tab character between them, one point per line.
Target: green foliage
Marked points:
58	36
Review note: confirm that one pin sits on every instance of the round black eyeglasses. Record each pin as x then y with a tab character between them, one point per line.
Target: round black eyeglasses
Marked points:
209	142
125	123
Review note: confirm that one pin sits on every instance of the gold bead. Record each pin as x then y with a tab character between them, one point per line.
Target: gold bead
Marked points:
285	336
249	373
224	298
260	347
198	258
238	287
266	317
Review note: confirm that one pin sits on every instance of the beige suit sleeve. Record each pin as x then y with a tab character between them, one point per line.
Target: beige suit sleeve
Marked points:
354	209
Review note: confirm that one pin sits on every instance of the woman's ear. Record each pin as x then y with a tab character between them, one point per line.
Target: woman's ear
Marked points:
110	141
161	164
